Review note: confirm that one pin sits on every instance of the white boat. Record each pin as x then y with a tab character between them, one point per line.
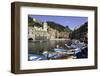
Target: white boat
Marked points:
68	46
34	57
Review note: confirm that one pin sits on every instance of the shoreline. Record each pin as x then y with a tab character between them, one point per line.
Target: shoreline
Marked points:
59	39
47	40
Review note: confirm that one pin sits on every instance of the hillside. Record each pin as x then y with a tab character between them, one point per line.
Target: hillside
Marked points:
51	24
58	27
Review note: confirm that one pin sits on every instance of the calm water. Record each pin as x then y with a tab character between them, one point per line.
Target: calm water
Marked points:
40	46
36	50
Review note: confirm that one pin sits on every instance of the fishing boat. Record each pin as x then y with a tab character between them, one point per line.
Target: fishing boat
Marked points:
34	57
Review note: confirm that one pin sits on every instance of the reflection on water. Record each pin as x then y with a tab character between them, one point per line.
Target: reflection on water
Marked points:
40	46
56	49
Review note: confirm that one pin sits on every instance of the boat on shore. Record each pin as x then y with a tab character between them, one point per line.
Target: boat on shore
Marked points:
34	57
77	49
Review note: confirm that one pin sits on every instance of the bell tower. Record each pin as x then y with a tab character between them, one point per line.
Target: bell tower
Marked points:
45	26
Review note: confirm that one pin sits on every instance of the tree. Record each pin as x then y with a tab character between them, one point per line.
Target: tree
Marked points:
30	20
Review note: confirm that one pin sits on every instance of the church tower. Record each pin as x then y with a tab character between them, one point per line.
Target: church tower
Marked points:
45	26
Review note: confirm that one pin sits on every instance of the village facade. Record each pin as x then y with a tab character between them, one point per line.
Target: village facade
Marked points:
45	32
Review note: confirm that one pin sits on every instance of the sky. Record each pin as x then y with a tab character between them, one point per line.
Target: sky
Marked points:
71	21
